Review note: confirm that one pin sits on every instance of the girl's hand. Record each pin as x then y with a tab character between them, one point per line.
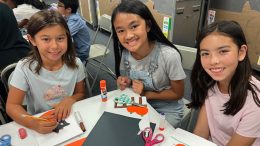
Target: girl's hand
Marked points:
43	126
123	82
138	86
62	109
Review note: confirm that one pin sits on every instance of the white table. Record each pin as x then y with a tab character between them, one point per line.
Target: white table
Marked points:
91	110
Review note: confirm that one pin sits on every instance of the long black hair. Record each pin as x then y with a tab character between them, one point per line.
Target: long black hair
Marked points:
138	8
240	83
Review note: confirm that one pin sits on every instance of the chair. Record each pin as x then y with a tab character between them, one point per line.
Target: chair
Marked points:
87	85
100	50
190	117
5	75
186	115
3	116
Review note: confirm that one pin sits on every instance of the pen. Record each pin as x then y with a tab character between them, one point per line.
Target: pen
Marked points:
79	120
33	117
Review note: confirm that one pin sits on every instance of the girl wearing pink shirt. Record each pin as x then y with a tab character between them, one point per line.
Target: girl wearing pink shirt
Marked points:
224	88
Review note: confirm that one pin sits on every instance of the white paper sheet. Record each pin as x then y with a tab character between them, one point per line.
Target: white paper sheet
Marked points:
68	132
180	136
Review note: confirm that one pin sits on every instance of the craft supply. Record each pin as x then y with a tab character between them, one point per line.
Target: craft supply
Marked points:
148	137
79	120
33	117
22	133
162	122
103	90
143	123
5	140
115	130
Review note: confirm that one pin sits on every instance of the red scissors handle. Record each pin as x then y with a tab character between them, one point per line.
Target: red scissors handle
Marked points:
158	138
148	135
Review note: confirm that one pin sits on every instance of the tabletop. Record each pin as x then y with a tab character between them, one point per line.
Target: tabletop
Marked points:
91	109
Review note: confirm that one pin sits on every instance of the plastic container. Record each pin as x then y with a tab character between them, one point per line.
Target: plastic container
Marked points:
162	122
103	90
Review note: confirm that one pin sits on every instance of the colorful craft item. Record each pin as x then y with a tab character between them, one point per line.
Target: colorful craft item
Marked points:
123	99
5	140
140	110
48	114
148	137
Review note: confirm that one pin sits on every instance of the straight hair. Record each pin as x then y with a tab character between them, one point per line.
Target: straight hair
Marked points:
44	19
240	83
139	8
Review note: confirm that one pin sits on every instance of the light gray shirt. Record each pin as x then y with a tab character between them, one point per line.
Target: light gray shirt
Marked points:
48	87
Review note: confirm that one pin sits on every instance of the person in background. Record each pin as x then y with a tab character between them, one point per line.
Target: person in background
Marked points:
25	9
224	88
77	26
52	66
13	46
149	62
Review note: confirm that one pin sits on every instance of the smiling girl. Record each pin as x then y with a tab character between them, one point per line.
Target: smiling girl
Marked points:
224	88
50	77
149	62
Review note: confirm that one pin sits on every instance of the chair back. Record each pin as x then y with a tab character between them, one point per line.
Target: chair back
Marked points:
5	75
105	22
3	116
100	50
189	120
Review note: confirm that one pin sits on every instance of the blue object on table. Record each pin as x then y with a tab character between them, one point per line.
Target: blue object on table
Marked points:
123	99
5	140
148	135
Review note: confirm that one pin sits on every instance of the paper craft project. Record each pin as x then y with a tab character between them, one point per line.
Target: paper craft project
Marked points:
133	105
124	101
115	130
66	130
138	110
181	137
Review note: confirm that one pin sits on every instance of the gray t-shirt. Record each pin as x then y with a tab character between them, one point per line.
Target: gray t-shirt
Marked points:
169	66
48	87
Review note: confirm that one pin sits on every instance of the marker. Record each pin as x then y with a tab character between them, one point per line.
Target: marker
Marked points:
79	120
33	117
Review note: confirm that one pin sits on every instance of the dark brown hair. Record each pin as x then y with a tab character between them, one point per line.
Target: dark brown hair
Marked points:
41	20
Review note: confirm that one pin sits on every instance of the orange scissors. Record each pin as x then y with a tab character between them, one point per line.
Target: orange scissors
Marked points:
148	135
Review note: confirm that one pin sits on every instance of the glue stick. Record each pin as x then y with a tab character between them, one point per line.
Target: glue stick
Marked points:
162	122
103	90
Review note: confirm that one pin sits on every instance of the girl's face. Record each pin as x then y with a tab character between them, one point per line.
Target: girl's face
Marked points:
51	42
220	56
131	31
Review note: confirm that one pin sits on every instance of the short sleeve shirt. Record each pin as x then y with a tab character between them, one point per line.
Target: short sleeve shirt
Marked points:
245	123
48	87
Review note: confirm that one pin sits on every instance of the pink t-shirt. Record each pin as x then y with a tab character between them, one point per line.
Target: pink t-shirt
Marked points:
245	123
